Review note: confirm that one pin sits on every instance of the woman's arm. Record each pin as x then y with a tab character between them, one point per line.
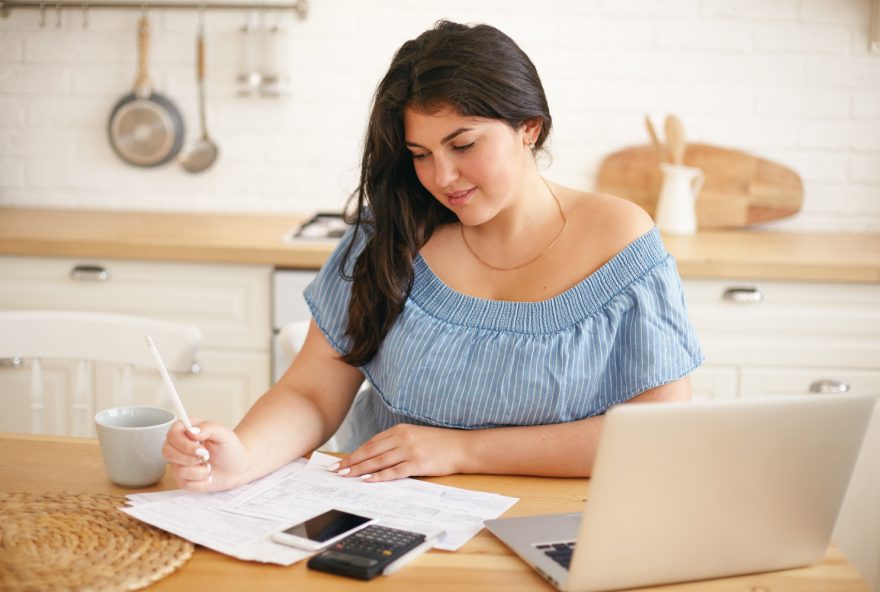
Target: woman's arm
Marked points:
303	409
295	416
556	450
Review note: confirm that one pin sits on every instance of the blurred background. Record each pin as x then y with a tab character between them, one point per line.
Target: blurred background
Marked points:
793	81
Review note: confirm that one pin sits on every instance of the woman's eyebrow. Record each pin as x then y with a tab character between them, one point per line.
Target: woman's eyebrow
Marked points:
445	138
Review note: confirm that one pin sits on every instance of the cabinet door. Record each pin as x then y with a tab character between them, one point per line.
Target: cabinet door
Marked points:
59	378
797	324
763	382
223	390
228	303
714	383
857	531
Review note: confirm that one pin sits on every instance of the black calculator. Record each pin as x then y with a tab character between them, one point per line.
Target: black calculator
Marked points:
364	554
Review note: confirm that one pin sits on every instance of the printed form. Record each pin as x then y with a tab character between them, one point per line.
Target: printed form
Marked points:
238	522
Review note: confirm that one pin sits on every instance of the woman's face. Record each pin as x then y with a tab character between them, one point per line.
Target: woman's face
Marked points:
472	165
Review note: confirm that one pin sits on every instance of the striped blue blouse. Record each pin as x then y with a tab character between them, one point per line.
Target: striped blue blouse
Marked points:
459	361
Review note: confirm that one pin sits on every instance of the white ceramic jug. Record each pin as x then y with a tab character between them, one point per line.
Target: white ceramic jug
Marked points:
676	213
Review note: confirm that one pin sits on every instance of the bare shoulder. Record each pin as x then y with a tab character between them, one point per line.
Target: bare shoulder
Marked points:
609	223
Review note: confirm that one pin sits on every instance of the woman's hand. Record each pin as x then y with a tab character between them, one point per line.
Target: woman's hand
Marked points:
213	459
404	451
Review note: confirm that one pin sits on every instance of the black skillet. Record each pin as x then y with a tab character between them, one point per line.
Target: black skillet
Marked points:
145	128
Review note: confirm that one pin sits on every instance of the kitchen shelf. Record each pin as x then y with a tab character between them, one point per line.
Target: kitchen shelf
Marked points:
300	7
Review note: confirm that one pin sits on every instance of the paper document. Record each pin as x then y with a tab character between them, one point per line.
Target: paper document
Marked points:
201	519
238	522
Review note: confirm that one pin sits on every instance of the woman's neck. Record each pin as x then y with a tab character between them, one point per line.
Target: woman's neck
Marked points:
531	210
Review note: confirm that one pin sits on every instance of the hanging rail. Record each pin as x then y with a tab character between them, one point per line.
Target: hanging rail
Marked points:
300	7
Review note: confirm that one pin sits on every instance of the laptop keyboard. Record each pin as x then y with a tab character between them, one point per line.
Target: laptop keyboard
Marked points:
559	552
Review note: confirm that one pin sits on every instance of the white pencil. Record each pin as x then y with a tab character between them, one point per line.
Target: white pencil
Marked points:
412	554
175	398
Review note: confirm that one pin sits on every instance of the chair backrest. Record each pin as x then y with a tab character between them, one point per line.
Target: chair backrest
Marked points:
290	339
90	337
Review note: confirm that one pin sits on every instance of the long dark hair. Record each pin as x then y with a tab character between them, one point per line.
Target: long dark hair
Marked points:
479	72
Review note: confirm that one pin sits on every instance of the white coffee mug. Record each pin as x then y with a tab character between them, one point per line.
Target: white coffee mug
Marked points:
131	441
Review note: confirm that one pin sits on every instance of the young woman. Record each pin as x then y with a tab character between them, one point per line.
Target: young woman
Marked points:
495	315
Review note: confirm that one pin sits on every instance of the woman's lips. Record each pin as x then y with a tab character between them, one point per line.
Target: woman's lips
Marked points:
457	198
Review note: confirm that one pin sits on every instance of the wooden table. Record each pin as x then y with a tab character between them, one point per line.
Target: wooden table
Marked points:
51	464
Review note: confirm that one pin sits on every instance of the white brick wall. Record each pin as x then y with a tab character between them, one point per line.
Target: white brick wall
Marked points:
790	80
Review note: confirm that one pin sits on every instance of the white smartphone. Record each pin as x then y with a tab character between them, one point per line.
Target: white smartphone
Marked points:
322	530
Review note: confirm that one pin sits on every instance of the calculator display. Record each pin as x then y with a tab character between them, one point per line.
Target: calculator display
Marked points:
324	527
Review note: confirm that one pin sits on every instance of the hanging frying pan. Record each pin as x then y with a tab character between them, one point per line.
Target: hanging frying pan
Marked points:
145	128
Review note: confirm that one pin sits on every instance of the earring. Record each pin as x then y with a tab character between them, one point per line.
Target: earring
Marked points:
532	145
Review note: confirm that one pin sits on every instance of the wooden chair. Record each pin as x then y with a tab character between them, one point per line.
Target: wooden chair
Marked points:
89	338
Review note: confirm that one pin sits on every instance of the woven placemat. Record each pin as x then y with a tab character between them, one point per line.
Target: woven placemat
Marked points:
81	541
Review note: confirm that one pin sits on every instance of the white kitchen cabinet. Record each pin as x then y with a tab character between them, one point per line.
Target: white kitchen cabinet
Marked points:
795	324
58	384
782	338
714	383
229	303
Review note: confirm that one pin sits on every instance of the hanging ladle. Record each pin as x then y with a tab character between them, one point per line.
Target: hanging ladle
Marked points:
204	152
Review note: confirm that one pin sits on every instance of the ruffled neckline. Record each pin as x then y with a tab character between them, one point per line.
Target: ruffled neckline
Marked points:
570	307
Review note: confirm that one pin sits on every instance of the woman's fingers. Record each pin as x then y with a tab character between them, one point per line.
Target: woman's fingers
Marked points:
182	447
375	454
398	471
175	456
403	451
374	464
193	473
209	457
200	486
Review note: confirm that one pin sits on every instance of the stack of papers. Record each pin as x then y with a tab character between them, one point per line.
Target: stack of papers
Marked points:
238	522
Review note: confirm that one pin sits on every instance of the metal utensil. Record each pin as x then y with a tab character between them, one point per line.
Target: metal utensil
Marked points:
675	139
249	77
145	128
203	152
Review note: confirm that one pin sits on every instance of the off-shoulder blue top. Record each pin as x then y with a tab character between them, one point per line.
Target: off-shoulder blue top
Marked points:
458	361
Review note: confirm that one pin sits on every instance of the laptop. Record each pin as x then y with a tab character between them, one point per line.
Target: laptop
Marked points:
691	491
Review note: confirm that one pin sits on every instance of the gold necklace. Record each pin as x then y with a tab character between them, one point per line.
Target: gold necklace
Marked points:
533	259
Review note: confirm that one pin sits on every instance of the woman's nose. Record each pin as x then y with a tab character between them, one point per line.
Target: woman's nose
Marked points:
445	171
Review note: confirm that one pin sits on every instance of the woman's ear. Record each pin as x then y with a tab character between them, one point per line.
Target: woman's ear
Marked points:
532	129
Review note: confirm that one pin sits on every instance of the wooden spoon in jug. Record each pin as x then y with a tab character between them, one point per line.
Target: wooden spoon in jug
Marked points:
659	148
675	139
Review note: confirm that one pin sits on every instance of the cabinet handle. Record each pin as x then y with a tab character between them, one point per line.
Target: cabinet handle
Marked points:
14	362
92	273
828	386
196	367
746	294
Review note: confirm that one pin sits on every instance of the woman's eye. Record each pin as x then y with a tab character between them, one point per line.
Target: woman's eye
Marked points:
418	156
464	148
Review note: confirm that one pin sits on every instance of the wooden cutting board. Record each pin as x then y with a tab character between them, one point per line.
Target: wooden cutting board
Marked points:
740	188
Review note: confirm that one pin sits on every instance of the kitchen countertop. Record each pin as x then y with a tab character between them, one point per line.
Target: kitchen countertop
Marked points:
257	239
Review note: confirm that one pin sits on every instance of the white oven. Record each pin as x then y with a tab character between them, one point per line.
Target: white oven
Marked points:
288	306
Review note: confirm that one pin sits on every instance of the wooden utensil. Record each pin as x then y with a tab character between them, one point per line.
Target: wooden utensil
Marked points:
740	188
662	153
675	139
